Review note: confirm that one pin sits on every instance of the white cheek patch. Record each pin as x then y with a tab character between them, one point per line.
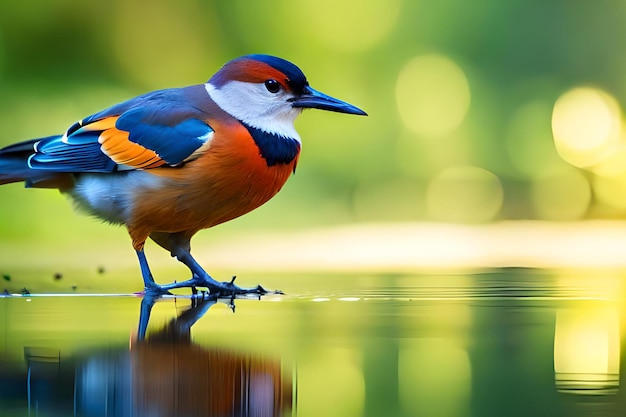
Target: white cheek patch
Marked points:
251	104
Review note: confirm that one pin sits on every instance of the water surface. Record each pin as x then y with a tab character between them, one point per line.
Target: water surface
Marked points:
512	342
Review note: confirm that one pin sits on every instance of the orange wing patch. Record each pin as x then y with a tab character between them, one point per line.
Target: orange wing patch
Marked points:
116	145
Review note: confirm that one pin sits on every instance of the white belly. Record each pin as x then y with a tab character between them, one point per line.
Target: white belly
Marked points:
110	197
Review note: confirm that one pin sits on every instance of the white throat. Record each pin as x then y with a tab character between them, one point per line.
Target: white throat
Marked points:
251	104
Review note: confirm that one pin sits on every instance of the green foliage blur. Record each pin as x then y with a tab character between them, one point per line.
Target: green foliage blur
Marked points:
461	101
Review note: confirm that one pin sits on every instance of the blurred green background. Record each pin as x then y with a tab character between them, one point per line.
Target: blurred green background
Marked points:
479	111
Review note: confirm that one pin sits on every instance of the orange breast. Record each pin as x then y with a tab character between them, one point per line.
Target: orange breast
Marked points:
227	181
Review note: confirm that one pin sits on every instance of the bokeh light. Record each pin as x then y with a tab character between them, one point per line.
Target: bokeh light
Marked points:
464	194
561	194
432	94
586	125
587	349
611	190
614	164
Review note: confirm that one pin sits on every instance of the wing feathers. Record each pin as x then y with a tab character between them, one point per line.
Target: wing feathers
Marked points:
117	146
150	131
173	143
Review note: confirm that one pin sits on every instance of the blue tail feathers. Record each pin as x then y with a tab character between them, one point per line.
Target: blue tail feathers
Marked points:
14	165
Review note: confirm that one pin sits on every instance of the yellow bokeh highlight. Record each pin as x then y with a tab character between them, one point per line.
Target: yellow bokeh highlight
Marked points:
587	348
346	25
614	164
586	126
464	194
560	194
611	190
432	94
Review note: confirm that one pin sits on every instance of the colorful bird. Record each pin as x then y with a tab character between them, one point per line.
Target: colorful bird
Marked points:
172	162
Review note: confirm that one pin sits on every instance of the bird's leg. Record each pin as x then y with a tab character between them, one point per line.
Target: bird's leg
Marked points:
179	247
202	279
150	287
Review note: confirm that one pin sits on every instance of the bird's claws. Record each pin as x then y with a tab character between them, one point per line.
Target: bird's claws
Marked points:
230	289
214	289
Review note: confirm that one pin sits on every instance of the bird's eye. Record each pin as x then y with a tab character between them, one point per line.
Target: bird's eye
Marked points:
272	86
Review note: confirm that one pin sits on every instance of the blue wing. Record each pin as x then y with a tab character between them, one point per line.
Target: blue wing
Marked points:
157	129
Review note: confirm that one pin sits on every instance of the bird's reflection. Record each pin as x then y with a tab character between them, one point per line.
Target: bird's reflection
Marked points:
179	328
164	373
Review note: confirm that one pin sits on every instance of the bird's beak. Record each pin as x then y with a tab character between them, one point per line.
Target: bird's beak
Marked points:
313	99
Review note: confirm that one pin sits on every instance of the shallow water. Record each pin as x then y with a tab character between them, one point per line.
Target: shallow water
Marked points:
511	342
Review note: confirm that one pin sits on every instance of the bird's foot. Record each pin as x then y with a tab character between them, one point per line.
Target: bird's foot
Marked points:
229	289
216	289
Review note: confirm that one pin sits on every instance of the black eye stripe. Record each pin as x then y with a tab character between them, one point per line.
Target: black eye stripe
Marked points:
272	86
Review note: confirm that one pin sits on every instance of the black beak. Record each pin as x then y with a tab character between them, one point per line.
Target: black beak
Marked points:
313	99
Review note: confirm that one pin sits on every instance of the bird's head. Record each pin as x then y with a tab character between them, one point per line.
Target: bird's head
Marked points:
268	93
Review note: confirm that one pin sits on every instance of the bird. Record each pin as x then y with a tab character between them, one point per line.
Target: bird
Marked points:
172	162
